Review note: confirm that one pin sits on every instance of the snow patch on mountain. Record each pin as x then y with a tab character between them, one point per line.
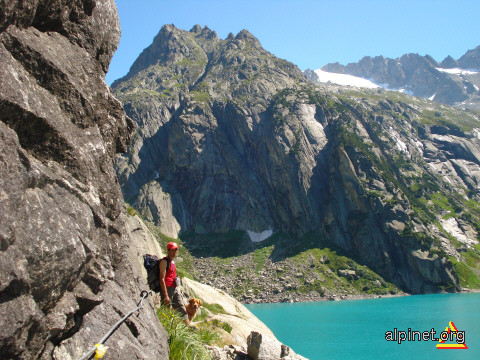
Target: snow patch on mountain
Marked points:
402	90
259	237
457	71
350	80
344	79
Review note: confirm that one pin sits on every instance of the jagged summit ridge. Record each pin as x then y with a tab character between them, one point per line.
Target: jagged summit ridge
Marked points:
172	45
451	82
205	31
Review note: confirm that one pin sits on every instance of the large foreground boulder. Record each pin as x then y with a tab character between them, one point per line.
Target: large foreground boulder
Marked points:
64	279
242	321
261	347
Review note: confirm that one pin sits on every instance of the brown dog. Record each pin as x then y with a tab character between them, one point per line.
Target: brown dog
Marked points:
192	307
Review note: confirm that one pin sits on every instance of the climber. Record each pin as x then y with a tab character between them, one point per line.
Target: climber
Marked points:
169	281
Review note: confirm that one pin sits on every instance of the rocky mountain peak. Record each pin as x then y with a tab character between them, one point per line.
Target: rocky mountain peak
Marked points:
413	61
449	63
215	68
334	67
471	59
209	34
247	36
311	75
245	39
205	32
166	45
170	45
196	29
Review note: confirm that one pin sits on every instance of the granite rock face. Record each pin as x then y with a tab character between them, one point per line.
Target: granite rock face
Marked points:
232	138
64	279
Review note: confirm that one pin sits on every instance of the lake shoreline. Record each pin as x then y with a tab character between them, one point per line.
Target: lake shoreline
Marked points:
334	297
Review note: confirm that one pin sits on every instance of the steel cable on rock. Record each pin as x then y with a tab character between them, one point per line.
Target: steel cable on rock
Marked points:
90	352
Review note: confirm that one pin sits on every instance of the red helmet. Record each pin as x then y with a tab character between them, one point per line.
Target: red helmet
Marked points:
172	245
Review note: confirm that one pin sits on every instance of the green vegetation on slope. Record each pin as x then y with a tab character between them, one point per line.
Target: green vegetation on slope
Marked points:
187	342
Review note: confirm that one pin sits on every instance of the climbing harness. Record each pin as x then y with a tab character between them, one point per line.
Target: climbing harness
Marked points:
99	349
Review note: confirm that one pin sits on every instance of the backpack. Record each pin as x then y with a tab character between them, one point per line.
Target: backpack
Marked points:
151	264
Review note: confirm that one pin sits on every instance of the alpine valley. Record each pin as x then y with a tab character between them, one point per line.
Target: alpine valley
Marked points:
283	189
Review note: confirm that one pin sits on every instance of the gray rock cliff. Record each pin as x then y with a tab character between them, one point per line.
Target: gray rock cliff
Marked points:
64	279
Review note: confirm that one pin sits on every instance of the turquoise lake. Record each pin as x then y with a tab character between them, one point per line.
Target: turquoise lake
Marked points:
356	329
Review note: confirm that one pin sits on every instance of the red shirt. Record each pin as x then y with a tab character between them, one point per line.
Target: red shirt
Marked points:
170	275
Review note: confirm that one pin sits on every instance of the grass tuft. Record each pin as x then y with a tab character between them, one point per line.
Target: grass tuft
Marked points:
185	342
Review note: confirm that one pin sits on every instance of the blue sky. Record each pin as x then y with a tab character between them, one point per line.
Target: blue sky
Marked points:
309	33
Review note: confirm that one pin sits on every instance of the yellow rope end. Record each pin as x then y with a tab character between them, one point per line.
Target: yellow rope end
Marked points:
100	352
